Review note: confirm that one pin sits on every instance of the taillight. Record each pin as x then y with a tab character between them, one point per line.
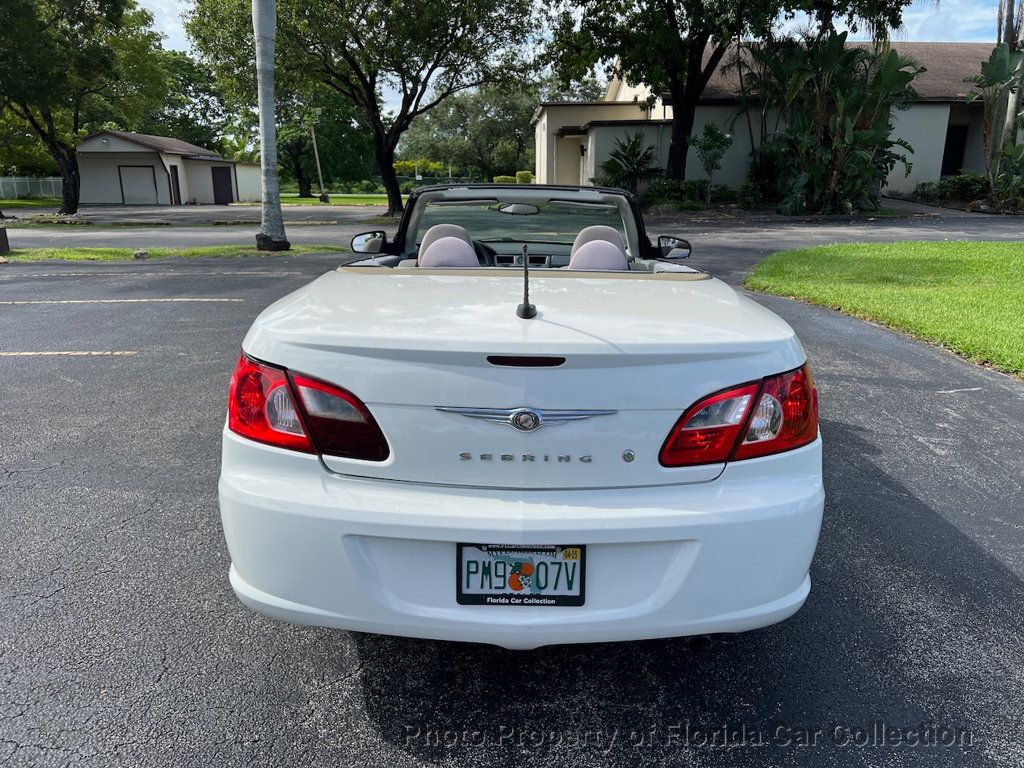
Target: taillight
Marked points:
785	417
262	406
774	415
339	422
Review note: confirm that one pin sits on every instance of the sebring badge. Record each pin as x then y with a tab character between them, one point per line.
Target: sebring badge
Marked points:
524	419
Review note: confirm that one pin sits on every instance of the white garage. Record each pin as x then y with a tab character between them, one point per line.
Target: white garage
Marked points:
121	168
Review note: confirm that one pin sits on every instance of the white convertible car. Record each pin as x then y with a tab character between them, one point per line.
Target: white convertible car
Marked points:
519	422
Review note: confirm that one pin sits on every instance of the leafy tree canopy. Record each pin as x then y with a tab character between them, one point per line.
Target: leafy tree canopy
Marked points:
420	50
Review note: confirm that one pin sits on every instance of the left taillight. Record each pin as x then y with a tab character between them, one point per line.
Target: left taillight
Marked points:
289	410
261	407
777	414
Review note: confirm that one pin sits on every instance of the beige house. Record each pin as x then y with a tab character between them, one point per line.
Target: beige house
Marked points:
121	168
574	138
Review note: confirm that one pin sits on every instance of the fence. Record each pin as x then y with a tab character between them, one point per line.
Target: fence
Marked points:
13	187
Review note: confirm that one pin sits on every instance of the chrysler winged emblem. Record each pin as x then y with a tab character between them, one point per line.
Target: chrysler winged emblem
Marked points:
524	419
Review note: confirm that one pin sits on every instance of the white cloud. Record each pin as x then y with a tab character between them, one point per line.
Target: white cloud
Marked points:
167	20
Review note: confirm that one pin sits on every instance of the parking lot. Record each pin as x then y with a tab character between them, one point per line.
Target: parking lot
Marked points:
121	643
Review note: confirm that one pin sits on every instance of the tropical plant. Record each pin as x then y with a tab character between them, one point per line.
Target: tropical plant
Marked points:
834	108
630	163
999	77
711	147
271	236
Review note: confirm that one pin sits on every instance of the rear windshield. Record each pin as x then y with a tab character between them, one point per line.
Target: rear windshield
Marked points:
554	222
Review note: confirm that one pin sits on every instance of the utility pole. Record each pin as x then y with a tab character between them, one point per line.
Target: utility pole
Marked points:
316	154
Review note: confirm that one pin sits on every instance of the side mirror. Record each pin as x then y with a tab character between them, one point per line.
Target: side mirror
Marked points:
369	242
672	247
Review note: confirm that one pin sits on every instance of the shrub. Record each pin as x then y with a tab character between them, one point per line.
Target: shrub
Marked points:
967	187
631	163
407	187
690	205
504	179
750	195
711	147
524	177
365	187
926	190
722	194
664	191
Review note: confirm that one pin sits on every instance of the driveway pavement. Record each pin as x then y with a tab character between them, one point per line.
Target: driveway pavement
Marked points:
121	643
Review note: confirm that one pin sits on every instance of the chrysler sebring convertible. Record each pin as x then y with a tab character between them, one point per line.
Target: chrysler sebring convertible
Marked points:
519	421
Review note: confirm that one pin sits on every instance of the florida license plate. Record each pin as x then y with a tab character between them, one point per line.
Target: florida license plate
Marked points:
506	574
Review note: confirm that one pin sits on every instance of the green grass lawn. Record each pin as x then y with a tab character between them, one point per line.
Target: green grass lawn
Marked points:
968	297
30	202
128	254
292	199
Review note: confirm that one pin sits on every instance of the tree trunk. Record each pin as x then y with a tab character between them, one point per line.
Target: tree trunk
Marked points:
70	180
684	110
264	27
305	185
386	163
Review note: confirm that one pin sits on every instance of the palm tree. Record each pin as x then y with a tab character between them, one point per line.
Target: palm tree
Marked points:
271	236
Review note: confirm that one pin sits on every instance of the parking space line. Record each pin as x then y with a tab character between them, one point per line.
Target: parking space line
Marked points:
74	353
116	301
259	273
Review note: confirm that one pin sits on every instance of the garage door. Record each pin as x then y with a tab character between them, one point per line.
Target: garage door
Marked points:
138	184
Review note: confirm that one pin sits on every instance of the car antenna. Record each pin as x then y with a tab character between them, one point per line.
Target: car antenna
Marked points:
526	310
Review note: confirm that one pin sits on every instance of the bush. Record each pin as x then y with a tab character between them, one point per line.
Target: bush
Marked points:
365	187
967	187
722	194
750	195
524	177
668	191
407	187
926	190
504	179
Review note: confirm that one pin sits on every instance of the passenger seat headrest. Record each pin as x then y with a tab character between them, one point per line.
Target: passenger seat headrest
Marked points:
599	255
438	231
598	232
448	252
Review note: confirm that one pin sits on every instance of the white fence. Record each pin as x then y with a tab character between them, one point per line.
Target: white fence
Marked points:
12	187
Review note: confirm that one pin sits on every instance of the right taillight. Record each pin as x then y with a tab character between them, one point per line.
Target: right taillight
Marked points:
287	410
777	414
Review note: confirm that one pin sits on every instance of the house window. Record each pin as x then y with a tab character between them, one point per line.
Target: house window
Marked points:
956	147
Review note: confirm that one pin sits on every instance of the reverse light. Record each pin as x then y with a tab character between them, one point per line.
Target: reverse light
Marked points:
777	414
339	422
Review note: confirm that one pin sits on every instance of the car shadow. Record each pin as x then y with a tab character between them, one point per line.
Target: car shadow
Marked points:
909	626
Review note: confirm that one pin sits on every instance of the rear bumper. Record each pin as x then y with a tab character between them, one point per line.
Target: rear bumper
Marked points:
377	556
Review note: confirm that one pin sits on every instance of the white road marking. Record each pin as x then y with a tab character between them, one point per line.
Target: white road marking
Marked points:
99	353
115	301
954	391
260	273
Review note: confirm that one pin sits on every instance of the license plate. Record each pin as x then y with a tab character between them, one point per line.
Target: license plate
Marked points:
508	574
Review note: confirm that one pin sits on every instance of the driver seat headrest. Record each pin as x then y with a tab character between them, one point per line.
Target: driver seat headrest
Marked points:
598	232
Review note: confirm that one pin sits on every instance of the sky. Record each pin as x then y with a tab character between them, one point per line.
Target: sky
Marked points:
946	21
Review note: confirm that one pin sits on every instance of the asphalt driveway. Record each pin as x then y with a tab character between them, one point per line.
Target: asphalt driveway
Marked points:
121	643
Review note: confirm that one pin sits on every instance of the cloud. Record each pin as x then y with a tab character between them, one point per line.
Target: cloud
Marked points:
167	21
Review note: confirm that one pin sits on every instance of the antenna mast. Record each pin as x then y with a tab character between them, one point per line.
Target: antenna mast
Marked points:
526	310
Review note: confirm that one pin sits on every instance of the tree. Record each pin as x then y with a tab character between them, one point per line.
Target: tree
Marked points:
89	62
193	110
345	148
1000	76
675	46
711	147
421	51
485	132
1010	30
271	236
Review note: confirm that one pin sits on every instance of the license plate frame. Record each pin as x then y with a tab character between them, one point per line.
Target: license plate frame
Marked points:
530	594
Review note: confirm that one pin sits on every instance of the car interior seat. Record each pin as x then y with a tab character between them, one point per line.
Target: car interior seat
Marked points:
598	248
